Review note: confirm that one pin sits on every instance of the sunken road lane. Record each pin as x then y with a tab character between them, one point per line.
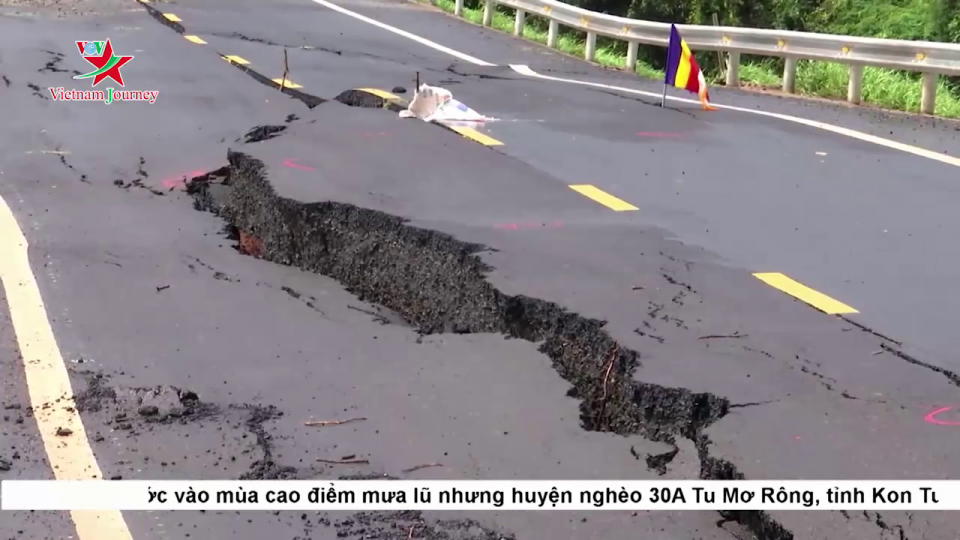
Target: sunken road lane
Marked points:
197	352
856	221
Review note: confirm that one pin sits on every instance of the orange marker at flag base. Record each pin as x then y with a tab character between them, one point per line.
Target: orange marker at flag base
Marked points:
706	102
704	98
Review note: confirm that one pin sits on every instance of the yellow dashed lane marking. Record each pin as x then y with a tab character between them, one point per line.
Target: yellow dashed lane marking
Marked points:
236	60
195	39
51	396
172	17
286	83
802	292
379	93
471	133
603	198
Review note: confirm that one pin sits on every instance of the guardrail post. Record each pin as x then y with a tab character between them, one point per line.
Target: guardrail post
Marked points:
518	22
790	75
488	8
928	92
855	84
733	68
632	48
591	49
458	8
552	32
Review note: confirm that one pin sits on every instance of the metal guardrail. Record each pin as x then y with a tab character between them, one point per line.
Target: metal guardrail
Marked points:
931	59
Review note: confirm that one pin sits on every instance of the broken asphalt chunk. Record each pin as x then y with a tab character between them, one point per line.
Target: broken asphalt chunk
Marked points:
161	402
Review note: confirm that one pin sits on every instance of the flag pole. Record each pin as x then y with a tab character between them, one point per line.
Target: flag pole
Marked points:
666	71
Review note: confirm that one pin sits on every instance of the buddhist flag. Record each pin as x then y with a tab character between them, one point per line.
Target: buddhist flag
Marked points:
683	71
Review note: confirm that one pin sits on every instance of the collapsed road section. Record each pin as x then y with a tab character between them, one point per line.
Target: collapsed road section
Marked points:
438	284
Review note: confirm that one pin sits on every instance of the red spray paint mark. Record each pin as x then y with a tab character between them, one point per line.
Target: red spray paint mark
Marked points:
530	225
931	417
659	134
290	163
174	181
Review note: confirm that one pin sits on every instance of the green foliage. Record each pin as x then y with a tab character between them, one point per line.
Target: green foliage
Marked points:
900	19
788	14
904	19
943	23
937	20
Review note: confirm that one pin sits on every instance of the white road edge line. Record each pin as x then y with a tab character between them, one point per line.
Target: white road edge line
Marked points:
404	33
922	152
526	71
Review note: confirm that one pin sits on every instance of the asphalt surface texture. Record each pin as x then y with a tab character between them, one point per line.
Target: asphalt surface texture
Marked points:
213	284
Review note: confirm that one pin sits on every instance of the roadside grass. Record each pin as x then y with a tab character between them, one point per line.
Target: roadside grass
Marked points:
888	88
883	87
569	43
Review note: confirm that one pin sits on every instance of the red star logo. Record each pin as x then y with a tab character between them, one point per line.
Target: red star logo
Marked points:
106	58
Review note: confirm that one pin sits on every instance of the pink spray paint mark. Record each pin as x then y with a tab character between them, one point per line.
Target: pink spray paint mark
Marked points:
659	134
931	417
290	163
174	181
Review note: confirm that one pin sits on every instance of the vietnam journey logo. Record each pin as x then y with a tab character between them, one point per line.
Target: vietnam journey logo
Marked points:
107	66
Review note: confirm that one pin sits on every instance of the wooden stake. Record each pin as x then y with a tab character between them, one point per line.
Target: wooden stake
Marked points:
322	423
286	68
723	66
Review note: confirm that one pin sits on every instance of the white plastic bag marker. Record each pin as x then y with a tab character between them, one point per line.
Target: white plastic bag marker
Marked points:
432	103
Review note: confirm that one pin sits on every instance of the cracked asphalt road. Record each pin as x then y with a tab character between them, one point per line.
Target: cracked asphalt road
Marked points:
191	359
825	209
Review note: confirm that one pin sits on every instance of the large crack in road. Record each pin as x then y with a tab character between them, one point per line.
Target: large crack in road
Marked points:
438	284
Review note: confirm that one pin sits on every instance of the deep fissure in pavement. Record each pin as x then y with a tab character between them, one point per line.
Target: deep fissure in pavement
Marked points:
262	133
358	98
158	15
950	375
438	284
271	43
308	100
